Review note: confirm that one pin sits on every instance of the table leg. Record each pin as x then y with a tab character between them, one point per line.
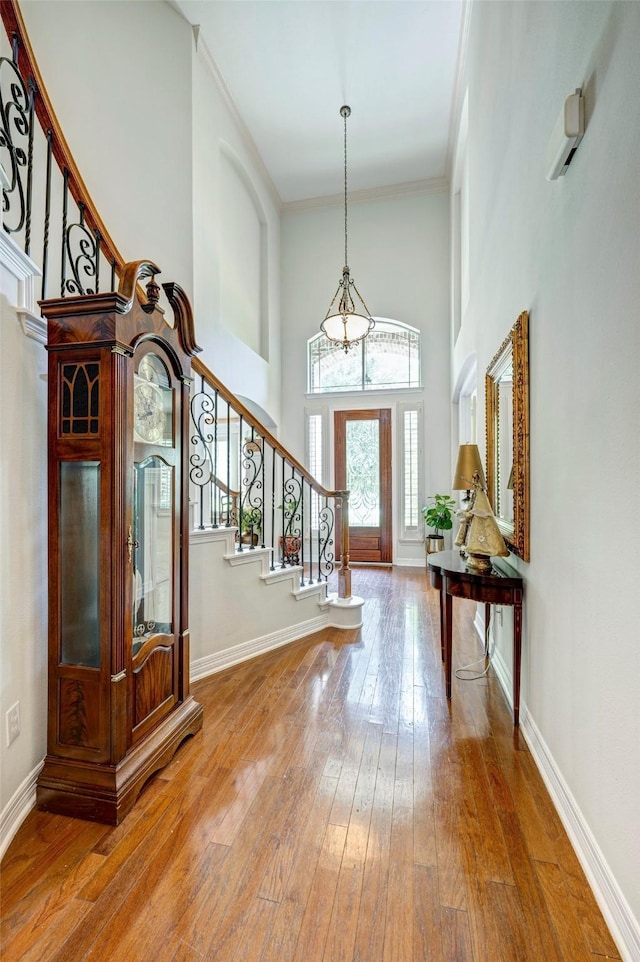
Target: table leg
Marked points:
517	655
447	636
442	629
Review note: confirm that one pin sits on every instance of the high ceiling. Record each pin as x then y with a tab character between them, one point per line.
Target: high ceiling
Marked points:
289	65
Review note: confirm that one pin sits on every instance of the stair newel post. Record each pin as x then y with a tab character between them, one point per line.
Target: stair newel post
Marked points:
344	574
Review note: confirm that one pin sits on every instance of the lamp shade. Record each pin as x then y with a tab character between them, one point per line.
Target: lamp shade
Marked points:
468	464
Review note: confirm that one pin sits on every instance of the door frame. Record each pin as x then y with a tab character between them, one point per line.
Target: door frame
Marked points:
384	418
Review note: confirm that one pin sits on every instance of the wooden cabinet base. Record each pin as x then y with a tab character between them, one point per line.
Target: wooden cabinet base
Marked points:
106	793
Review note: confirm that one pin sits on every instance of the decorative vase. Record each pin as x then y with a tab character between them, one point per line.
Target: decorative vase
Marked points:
434	542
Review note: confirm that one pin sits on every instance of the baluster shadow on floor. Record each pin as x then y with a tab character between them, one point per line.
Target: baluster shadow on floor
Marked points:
334	807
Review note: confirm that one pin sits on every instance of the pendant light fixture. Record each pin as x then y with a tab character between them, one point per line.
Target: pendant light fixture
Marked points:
343	324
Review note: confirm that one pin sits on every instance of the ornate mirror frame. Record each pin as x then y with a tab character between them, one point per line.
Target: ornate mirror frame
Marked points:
511	360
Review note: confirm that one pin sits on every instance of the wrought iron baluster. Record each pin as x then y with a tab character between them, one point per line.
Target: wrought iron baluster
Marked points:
215	459
282	503
15	107
240	484
65	195
80	247
228	459
47	214
27	231
319	543
200	457
263	491
273	508
201	525
326	521
302	581
113	275
98	237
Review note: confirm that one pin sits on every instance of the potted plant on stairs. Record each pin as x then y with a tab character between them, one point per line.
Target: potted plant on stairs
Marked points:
438	516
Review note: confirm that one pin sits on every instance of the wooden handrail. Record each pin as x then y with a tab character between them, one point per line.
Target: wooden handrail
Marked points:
28	67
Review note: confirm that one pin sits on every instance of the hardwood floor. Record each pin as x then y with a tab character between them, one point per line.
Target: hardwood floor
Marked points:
334	807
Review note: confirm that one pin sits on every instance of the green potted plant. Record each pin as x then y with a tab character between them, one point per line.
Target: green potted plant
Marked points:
438	516
250	525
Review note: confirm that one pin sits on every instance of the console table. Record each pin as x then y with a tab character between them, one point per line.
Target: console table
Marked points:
500	586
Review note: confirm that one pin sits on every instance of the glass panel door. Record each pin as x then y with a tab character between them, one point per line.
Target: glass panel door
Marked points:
153	499
363	472
363	467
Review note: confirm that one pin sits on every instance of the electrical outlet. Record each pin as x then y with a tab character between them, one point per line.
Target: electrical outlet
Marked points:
13	723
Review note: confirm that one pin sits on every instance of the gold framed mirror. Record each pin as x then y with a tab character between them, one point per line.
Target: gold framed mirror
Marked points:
507	413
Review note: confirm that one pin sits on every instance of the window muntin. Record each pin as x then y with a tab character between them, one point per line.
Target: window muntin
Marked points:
411	472
389	357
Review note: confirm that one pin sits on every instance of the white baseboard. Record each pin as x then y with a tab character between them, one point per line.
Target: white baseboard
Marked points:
17	808
209	665
624	927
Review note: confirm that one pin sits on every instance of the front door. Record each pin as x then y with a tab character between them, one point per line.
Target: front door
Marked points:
363	467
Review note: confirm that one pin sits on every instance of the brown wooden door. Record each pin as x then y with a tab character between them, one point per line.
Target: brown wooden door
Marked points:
362	442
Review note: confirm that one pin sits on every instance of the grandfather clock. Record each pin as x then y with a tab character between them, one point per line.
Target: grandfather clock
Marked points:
118	702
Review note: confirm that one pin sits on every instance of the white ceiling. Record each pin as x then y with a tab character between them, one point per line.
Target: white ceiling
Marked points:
289	65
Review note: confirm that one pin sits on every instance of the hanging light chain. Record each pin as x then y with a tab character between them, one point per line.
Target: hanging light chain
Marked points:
344	324
345	111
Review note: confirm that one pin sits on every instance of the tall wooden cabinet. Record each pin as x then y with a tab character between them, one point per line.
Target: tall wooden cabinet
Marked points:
118	702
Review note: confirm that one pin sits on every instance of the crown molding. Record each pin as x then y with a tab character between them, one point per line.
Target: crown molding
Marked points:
247	140
435	185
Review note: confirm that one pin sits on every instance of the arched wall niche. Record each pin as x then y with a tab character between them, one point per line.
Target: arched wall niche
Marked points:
244	255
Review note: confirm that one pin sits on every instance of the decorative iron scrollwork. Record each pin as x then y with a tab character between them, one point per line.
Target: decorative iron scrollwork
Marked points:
251	504
82	251
326	525
16	126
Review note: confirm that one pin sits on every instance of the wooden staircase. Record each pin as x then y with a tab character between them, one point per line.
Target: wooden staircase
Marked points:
270	607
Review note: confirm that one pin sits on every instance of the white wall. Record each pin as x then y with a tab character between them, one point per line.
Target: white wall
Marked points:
569	253
399	260
23	557
119	77
243	365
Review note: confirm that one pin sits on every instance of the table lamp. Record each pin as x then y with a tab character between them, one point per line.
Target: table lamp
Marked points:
467	465
479	536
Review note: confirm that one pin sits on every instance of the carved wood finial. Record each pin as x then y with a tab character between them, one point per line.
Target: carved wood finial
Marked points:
133	272
183	317
153	293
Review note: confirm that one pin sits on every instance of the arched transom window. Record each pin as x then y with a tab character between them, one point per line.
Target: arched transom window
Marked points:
389	357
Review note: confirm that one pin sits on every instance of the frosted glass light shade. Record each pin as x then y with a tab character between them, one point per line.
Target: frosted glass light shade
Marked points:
346	328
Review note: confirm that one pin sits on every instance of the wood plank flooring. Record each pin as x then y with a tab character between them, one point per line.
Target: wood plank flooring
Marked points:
334	808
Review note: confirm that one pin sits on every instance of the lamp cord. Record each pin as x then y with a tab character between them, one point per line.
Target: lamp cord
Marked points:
488	651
